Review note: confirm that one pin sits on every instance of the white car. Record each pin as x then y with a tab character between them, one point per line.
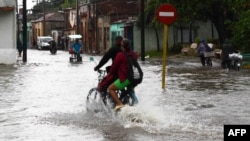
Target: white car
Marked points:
43	42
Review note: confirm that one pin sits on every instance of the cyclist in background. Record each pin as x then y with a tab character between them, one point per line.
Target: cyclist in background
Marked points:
77	48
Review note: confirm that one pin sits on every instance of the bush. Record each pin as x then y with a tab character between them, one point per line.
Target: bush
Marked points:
212	40
197	40
176	48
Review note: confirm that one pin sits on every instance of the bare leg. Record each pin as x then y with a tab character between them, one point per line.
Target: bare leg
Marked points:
112	91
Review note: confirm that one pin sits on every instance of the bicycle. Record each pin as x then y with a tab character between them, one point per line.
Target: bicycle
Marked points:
97	100
208	56
235	61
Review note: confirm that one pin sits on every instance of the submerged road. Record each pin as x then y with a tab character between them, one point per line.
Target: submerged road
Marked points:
45	100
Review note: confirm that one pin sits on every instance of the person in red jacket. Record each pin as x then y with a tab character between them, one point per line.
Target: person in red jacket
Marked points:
120	67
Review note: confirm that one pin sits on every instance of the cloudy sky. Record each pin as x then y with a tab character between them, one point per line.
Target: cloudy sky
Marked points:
30	3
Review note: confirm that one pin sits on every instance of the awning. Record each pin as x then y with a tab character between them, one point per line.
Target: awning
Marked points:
75	36
7	8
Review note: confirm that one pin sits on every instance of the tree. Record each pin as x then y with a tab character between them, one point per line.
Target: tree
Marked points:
218	11
68	3
241	26
241	32
151	20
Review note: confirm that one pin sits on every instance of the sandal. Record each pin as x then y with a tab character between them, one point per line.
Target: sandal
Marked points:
118	107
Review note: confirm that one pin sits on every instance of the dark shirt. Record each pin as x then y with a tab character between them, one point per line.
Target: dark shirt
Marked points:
19	47
52	43
227	48
111	54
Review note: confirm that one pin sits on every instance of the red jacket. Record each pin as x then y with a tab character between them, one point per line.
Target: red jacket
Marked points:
120	65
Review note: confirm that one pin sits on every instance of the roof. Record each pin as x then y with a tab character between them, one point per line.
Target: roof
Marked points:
51	17
118	9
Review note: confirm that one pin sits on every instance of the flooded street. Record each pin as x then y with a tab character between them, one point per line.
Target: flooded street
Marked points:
45	100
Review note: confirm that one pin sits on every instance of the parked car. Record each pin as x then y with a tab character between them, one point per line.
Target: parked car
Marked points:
43	42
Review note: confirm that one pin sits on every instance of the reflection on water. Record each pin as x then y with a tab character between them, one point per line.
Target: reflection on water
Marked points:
45	99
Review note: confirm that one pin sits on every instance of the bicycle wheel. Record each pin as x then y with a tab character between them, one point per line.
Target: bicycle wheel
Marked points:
209	62
126	99
94	101
236	65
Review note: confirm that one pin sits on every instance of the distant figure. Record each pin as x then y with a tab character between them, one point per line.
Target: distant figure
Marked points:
202	48
53	48
52	43
77	48
19	48
66	42
62	42
227	48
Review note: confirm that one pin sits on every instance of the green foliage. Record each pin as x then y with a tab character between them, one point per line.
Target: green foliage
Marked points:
213	40
150	13
241	32
197	40
176	49
68	3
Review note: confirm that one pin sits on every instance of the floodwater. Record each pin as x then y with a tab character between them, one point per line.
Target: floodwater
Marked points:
45	100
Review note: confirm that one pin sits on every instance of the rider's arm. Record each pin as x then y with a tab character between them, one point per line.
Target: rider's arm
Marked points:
105	58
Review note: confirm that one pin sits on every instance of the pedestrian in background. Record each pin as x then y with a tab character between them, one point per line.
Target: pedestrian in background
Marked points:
77	48
19	48
201	50
227	48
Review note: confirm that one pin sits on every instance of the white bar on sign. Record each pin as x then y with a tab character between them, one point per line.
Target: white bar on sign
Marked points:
166	14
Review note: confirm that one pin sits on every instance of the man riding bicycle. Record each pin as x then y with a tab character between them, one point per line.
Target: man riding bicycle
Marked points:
111	54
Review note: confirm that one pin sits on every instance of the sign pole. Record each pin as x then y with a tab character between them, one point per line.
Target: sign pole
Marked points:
166	14
164	61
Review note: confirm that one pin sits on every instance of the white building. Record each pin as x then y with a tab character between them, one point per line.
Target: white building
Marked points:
7	31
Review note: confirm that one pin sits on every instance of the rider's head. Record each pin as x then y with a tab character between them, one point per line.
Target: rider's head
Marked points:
118	40
126	44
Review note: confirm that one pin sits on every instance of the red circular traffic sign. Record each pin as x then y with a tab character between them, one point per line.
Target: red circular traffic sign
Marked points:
166	14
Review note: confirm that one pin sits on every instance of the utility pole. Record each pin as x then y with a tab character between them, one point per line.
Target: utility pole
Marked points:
77	18
44	24
24	31
142	32
96	28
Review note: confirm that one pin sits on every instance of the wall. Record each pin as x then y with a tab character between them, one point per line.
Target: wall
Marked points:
203	30
116	29
103	33
7	35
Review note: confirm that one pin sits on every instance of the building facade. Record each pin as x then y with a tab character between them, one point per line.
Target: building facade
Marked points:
8	31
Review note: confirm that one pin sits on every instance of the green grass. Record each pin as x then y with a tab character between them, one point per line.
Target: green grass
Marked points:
154	54
158	54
